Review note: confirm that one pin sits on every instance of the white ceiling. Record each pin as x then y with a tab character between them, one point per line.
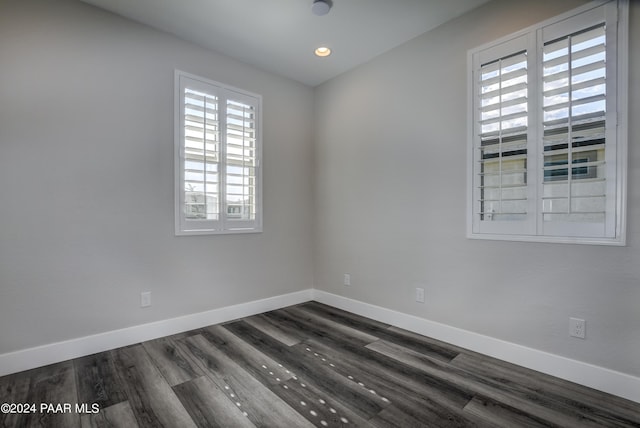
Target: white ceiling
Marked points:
280	35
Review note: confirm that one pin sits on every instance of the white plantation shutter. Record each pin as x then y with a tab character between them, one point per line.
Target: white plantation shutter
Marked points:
503	138
579	126
502	197
217	158
201	156
545	159
241	162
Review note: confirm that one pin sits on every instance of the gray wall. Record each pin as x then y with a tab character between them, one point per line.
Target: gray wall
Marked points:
86	179
391	147
86	191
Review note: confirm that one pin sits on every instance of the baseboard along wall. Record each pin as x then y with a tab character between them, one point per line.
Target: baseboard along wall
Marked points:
600	378
39	356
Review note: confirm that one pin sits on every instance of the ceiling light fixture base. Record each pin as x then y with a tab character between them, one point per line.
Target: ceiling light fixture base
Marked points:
321	7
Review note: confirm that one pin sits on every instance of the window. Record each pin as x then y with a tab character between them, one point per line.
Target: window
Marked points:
547	152
217	160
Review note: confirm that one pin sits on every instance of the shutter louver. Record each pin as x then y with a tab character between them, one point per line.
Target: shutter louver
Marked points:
503	125
574	124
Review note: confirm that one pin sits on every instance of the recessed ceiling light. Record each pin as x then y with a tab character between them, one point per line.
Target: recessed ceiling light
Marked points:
323	51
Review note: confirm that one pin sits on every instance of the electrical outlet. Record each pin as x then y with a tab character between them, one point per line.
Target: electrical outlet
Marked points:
420	295
577	328
145	299
347	279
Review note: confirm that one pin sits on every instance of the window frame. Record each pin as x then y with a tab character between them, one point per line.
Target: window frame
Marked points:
224	224
531	230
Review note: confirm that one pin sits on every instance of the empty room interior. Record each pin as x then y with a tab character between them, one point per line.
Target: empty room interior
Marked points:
203	223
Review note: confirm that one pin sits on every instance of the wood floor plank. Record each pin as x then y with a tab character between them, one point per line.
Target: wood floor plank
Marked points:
419	343
425	345
513	395
392	417
261	405
172	363
347	318
326	380
612	409
153	401
327	324
53	386
116	416
378	363
288	336
298	393
300	320
320	408
456	396
97	380
209	406
426	399
429	405
415	417
14	389
497	415
268	371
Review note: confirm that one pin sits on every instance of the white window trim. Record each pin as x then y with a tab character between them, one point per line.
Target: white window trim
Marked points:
622	72
222	226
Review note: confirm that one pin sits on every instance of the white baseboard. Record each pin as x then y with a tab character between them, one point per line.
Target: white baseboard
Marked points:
600	378
616	383
26	359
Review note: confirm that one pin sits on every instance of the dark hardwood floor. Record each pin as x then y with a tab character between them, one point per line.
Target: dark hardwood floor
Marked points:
306	365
